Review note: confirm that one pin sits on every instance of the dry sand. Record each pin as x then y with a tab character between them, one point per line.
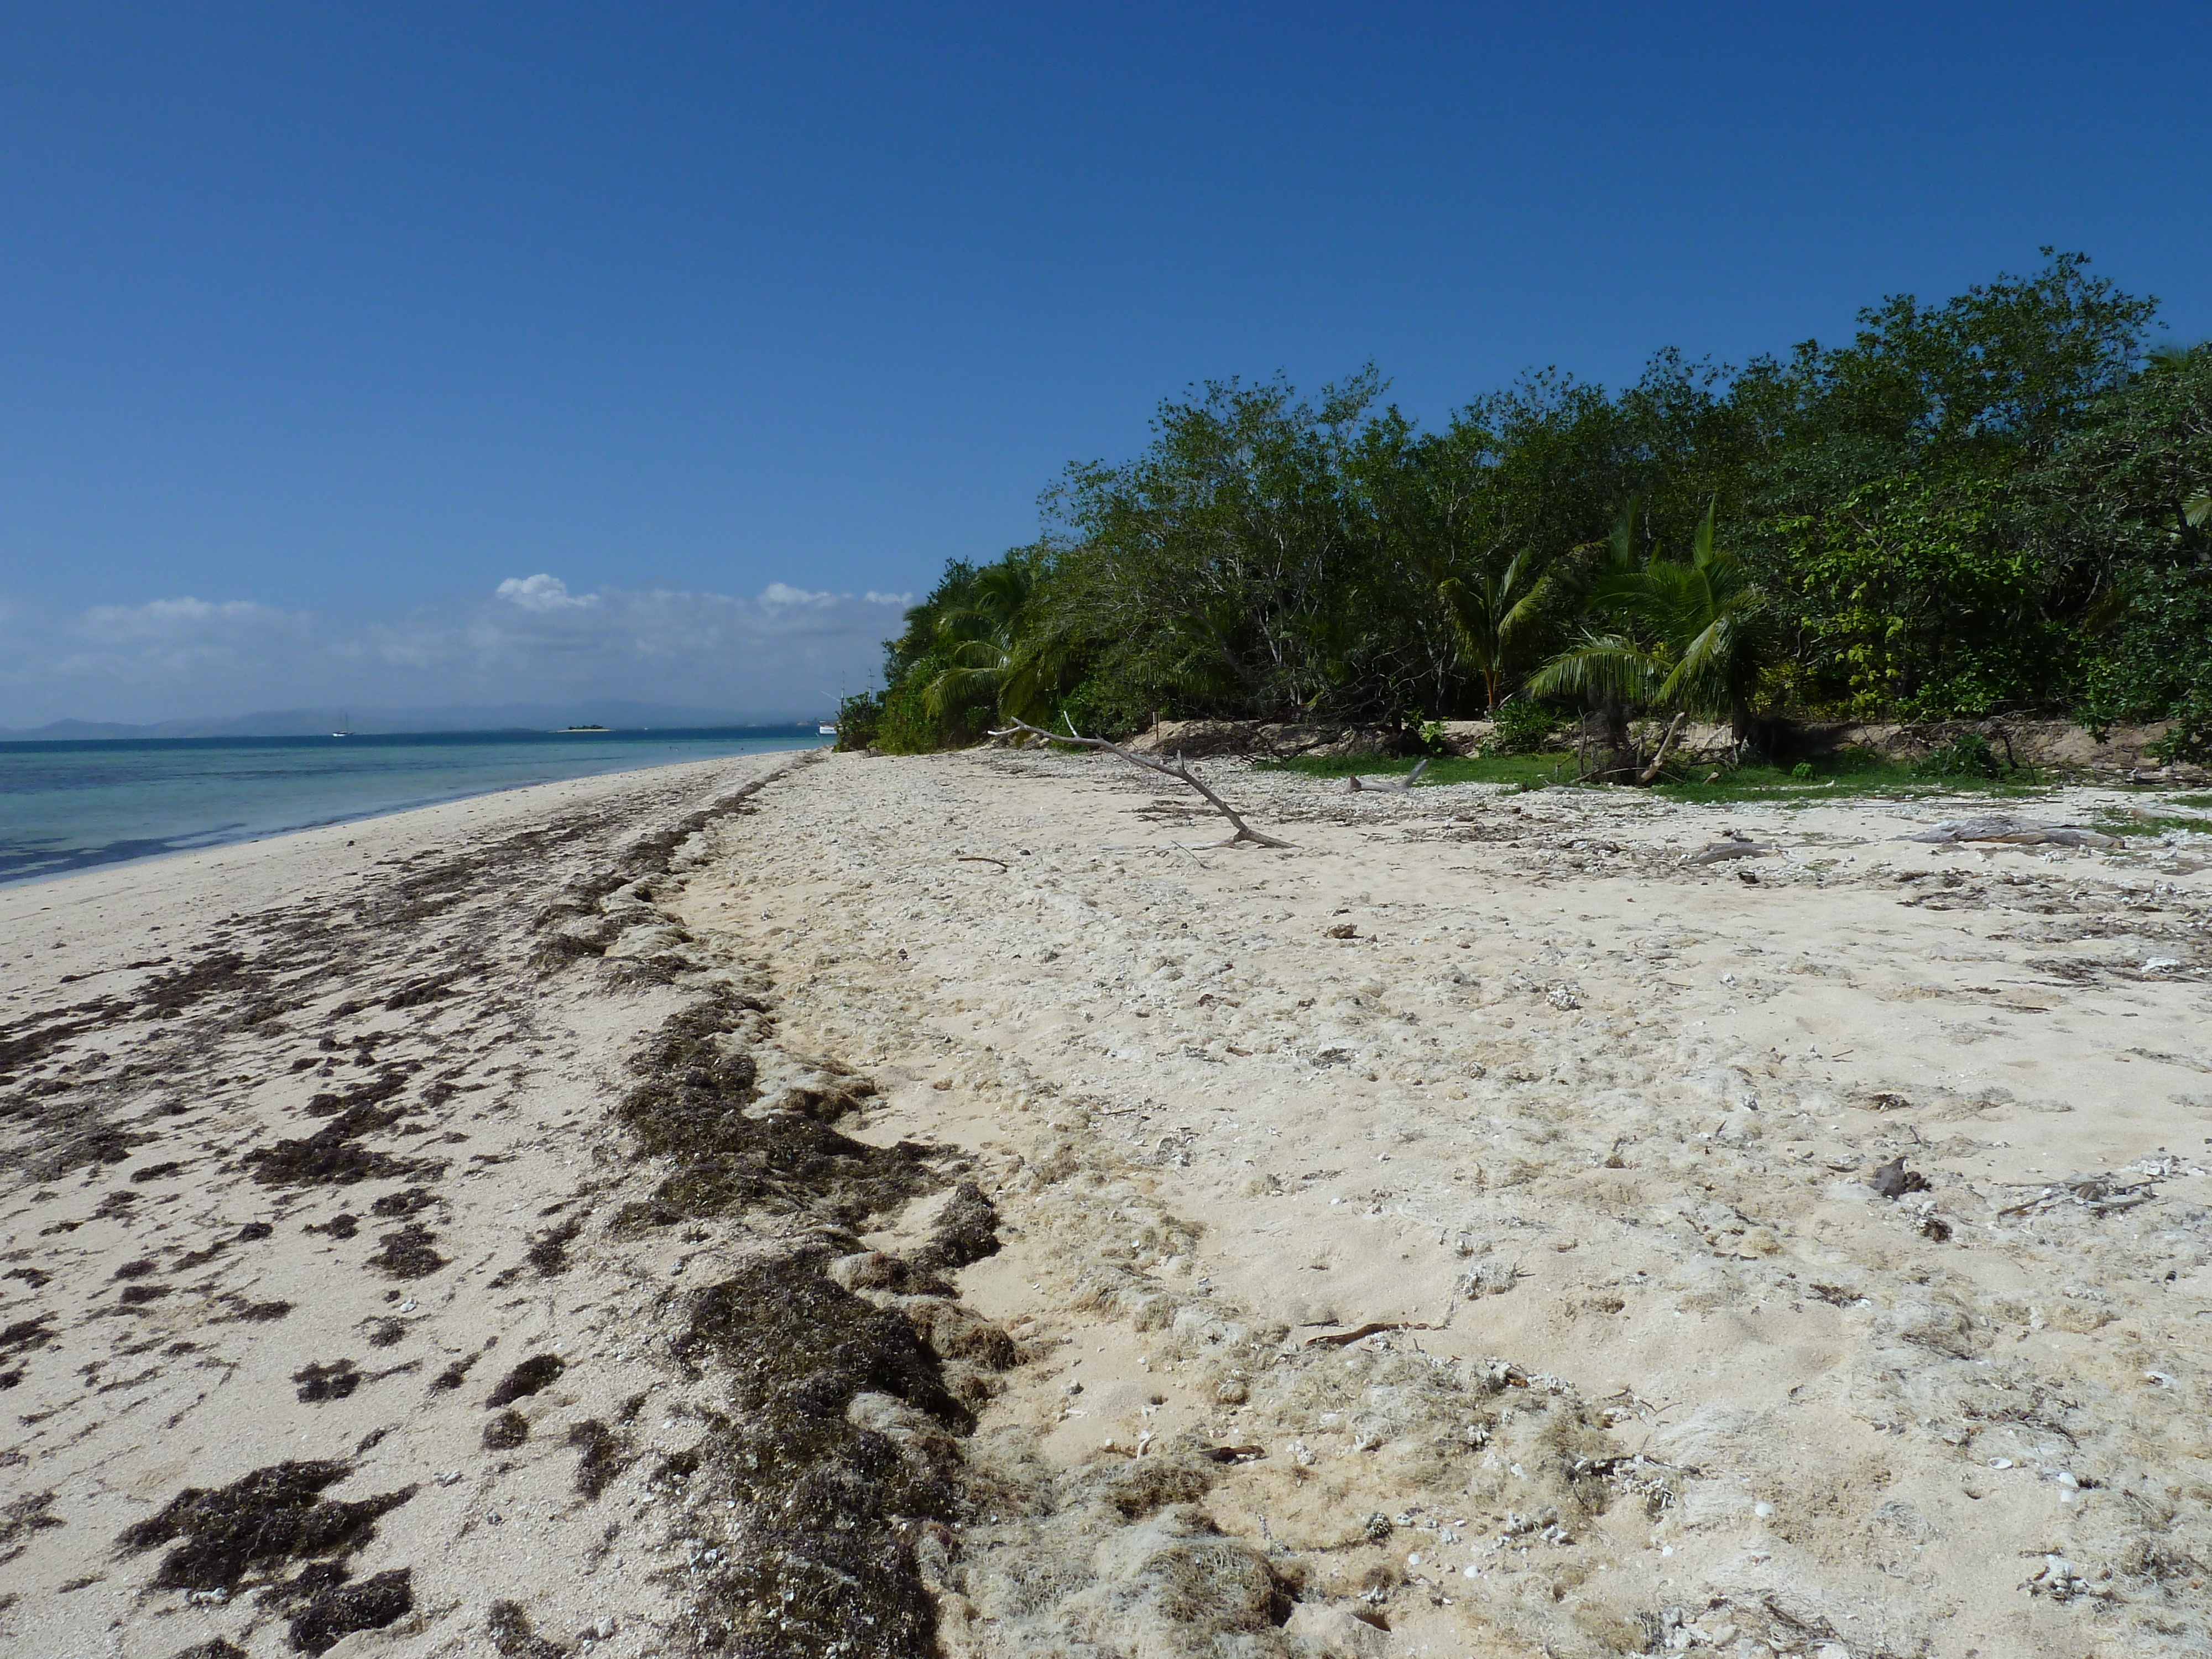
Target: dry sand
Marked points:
918	1197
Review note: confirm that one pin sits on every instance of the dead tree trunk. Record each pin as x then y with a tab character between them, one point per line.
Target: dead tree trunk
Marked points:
1665	743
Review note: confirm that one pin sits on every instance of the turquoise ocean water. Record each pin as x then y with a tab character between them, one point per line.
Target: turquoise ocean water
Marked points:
74	805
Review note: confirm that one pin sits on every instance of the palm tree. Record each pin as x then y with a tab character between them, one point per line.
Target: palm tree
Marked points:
1491	615
1698	636
997	648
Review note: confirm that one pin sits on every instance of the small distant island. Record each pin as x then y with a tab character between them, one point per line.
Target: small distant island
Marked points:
583	728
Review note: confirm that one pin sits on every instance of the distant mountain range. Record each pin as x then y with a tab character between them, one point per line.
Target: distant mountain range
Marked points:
320	722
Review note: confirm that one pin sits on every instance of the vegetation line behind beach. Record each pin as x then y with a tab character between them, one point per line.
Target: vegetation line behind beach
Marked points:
1995	504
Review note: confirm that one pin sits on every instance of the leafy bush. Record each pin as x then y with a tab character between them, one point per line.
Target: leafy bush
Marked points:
1523	727
1969	755
859	717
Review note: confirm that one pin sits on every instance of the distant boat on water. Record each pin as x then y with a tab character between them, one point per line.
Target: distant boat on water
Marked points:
583	728
828	730
345	721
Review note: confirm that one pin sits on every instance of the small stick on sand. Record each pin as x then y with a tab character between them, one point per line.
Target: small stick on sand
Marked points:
1180	771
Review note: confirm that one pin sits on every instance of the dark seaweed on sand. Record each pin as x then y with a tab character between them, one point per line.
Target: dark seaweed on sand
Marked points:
332	1156
374	1092
605	1456
692	1106
506	1431
344	1608
967	1231
454	1375
407	1253
258	1523
549	1254
534	1374
511	1634
824	1563
214	1648
405	1202
319	1383
255	1313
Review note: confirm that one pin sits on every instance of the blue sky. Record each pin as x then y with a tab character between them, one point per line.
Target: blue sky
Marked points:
319	323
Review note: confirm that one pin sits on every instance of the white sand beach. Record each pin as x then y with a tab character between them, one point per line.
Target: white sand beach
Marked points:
841	1204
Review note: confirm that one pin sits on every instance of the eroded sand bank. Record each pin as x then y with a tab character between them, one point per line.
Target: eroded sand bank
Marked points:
748	1103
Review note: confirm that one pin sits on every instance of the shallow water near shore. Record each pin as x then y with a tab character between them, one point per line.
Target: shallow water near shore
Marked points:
74	805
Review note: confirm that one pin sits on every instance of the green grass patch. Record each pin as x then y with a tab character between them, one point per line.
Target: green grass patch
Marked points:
1849	772
2130	824
1528	771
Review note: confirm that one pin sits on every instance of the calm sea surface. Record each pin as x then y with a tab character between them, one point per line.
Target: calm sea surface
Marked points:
67	806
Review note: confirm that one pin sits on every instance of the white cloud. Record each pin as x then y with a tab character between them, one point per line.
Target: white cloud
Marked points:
185	621
783	653
544	592
782	593
899	599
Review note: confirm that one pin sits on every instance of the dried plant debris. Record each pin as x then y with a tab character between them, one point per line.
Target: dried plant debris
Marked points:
258	1524
966	1230
506	1431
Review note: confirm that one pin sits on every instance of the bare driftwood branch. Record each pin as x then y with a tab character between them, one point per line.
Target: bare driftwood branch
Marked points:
1180	771
2019	832
1381	785
1721	851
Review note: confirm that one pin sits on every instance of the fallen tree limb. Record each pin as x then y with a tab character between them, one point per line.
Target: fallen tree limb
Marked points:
1384	784
1721	851
2019	832
1179	772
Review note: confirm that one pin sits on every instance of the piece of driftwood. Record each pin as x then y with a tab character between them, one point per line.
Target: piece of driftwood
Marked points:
1234	1454
1179	772
1389	785
2017	832
2099	1194
1721	851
